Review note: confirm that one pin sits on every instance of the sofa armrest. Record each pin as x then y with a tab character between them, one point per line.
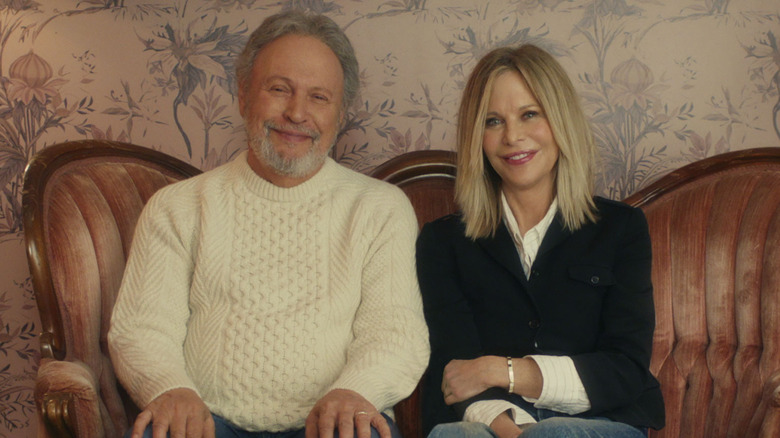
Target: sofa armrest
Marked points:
766	421
66	394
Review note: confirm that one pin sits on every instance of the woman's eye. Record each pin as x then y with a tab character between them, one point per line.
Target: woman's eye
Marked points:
492	121
530	114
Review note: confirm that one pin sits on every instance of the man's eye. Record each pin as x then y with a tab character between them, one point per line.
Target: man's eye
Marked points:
320	98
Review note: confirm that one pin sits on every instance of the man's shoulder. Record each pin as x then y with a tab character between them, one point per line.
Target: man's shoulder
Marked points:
191	190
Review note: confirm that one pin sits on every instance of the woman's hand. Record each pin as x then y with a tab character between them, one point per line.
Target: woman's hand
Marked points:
505	427
464	379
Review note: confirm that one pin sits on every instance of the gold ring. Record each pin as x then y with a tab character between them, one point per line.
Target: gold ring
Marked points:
361	413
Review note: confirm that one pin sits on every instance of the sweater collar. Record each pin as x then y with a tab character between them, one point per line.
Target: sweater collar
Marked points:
263	188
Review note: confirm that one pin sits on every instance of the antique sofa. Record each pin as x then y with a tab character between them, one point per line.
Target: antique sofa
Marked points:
715	226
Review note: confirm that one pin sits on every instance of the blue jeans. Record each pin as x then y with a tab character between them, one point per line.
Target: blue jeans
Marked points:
550	425
224	429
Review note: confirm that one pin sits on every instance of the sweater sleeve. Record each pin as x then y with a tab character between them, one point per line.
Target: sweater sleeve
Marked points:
149	320
390	348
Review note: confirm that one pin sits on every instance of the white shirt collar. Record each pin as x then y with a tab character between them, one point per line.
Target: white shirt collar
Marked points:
527	245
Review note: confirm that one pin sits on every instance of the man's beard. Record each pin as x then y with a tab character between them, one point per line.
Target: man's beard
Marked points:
296	167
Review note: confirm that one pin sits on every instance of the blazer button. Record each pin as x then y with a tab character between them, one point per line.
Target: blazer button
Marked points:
534	323
595	279
535	273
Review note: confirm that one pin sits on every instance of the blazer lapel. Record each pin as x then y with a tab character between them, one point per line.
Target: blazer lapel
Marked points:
554	236
502	248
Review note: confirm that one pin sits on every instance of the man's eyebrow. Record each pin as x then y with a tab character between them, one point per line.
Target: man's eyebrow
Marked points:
285	79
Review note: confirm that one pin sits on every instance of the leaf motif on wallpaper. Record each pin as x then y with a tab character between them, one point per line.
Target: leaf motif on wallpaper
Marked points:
17	406
734	114
31	104
129	107
360	119
16	394
703	147
193	57
418	9
479	35
765	72
626	109
402	143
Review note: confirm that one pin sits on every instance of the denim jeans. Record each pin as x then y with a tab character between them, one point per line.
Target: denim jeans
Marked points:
223	429
555	427
550	424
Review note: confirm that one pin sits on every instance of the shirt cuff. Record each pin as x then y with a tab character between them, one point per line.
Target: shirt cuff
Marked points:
486	411
562	390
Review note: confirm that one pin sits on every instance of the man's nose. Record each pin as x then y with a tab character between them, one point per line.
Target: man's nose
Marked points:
295	111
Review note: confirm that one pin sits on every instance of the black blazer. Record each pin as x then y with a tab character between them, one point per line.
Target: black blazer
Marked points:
589	297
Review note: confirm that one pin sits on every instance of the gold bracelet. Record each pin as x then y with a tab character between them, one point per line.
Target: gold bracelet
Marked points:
511	388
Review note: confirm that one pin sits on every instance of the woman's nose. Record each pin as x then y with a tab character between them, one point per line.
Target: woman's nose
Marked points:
513	132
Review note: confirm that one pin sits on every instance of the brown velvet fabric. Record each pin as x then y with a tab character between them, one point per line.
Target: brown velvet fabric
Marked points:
82	201
715	229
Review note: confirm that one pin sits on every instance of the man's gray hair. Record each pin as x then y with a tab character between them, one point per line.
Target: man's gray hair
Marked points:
300	23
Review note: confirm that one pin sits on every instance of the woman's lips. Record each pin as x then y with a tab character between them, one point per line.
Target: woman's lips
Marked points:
520	157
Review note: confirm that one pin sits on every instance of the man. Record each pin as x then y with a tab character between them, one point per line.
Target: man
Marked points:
276	293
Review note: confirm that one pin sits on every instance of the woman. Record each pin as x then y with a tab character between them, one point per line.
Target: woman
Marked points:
537	295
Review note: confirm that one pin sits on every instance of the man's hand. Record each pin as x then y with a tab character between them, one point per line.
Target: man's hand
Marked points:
179	411
346	411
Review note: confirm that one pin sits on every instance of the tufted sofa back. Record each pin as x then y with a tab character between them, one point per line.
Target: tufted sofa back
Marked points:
715	229
81	202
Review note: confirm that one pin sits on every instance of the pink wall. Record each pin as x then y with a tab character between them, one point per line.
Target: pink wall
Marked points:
665	83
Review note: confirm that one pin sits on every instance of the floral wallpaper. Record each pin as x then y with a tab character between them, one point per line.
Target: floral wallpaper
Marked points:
665	82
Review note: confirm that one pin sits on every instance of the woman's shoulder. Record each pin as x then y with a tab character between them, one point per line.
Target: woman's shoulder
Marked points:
617	215
448	222
612	205
447	227
611	208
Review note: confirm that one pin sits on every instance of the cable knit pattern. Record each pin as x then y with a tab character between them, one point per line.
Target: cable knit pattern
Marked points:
262	299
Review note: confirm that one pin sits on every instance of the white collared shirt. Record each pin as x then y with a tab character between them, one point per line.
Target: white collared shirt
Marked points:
562	389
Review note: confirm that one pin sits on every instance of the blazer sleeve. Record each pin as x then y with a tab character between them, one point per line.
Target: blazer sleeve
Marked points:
617	372
453	333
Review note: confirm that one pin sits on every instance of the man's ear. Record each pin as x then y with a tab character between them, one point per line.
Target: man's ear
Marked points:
241	98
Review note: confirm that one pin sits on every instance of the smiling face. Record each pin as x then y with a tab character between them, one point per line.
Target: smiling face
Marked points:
292	108
517	140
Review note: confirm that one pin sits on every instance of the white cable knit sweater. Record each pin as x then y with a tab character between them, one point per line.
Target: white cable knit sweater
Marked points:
262	299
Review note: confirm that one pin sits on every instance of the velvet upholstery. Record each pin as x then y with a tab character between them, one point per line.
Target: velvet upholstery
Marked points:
81	202
714	224
715	230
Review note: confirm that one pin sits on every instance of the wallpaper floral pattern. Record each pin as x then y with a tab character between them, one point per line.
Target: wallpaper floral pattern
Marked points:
665	82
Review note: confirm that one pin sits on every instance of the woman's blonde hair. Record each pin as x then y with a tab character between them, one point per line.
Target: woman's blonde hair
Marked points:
477	186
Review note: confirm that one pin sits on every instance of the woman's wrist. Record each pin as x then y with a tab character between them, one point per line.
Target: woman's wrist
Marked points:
510	375
497	374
